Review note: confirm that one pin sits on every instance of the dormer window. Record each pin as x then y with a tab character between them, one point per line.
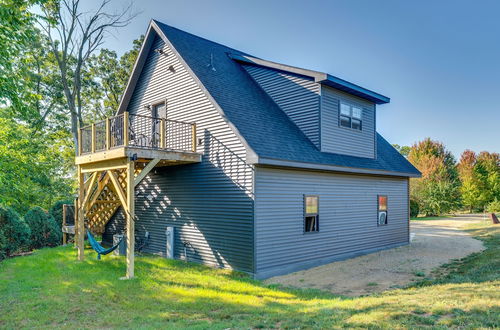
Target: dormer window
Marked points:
350	116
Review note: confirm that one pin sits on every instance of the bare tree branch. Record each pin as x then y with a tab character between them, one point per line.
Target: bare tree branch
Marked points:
78	35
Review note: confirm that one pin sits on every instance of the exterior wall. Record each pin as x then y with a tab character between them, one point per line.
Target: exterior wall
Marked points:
210	204
342	140
347	218
297	96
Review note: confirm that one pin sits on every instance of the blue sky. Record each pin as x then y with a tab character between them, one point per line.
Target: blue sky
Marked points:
438	61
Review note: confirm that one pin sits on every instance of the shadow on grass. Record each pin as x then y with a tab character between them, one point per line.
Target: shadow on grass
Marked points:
51	288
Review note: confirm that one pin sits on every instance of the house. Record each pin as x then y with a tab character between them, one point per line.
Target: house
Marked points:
257	166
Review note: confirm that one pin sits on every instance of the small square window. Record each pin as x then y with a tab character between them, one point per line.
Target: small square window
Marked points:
311	213
350	116
382	210
356	113
345	121
345	109
356	124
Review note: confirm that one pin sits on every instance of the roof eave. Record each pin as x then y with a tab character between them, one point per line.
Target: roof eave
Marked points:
332	168
351	88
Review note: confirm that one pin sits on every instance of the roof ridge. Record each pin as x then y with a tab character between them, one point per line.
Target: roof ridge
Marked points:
202	38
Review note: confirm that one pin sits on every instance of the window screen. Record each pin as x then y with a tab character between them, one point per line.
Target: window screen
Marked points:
311	213
382	210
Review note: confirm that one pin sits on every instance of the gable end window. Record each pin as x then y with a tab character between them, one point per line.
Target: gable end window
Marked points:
311	213
350	116
382	210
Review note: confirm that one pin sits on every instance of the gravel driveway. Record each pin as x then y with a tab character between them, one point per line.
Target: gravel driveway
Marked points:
435	242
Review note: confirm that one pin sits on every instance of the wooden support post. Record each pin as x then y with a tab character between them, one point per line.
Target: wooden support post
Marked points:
79	225
125	128
130	220
93	138
75	221
193	137
80	147
162	133
64	224
108	133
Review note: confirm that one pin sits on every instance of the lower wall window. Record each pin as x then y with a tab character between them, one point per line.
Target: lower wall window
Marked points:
382	210
311	213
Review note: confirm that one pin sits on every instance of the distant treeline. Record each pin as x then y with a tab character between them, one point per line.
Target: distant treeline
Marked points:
472	183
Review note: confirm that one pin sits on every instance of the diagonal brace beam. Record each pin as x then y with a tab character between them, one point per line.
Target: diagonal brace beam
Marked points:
89	190
145	171
118	190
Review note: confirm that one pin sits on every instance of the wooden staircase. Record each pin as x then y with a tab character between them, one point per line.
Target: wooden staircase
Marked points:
114	155
104	202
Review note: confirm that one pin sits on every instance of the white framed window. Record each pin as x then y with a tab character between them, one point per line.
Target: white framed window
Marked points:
351	116
311	213
382	210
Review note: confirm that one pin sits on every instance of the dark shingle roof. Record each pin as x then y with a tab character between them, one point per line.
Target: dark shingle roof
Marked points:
264	126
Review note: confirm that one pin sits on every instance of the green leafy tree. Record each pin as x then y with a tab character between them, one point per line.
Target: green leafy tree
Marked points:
488	171
471	186
16	32
109	75
437	191
403	150
494	206
31	168
44	229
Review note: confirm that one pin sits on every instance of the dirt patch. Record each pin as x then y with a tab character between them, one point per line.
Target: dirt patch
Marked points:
435	242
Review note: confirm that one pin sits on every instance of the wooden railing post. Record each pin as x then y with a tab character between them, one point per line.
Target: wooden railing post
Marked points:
125	128
93	138
108	133
193	137
162	133
80	142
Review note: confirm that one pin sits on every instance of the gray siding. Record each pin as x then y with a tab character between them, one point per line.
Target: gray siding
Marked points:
210	204
347	218
341	140
298	96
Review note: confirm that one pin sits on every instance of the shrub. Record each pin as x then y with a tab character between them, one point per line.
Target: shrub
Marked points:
414	208
3	246
494	206
15	231
56	211
44	229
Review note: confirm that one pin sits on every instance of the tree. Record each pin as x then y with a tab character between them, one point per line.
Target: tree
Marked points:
15	33
403	150
31	168
437	191
488	171
470	188
73	37
110	76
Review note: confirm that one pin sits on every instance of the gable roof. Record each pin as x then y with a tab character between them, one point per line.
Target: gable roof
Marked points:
269	135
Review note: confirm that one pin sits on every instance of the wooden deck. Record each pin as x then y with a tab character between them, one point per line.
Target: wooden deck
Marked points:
114	156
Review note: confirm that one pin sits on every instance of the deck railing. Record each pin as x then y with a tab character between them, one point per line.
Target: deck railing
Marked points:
137	131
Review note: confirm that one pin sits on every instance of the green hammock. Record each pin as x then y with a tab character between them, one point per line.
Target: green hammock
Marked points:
98	247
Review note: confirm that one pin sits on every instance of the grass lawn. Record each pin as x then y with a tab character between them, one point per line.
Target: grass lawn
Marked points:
442	217
51	289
